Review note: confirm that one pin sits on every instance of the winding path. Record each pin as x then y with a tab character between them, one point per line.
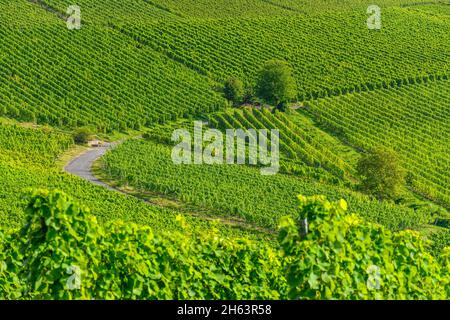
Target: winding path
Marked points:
81	166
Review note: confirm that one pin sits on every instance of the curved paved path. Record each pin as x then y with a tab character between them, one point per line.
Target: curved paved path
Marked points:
81	166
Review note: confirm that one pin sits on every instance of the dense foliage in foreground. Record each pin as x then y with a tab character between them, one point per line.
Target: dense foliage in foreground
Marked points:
63	253
65	247
343	257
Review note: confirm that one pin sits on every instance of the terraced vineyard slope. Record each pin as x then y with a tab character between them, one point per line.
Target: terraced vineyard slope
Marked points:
27	162
96	76
414	120
331	54
237	190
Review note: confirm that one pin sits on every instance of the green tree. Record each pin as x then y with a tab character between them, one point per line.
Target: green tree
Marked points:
276	83
382	175
82	135
234	90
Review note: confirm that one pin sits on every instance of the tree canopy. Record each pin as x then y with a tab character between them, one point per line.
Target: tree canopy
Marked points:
276	83
234	90
382	175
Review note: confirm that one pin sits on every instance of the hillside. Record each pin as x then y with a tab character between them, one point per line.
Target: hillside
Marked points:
94	77
27	162
415	120
138	74
159	66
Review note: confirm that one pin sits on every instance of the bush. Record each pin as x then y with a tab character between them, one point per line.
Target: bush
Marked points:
234	90
276	83
63	253
82	135
381	173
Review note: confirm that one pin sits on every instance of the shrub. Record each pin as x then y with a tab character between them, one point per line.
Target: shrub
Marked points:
381	173
276	83
82	135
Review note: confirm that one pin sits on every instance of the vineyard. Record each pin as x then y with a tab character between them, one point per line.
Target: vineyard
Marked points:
27	161
300	141
26	146
108	81
118	11
223	8
320	6
137	70
331	54
162	66
414	120
441	10
106	12
238	190
305	149
155	69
